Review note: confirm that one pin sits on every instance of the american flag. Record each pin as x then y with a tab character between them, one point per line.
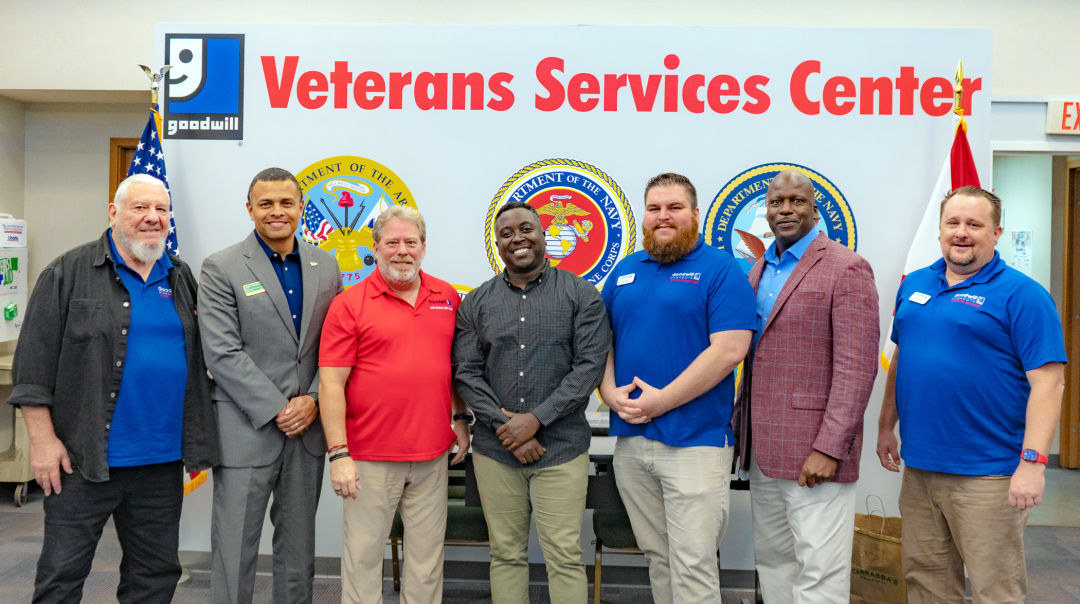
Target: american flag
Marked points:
149	159
316	227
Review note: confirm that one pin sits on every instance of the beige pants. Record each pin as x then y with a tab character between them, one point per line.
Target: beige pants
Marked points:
951	521
677	500
555	498
419	490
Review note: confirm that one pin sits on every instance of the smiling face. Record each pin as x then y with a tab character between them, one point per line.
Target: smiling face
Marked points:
520	240
790	208
398	253
967	233
140	223
274	207
670	225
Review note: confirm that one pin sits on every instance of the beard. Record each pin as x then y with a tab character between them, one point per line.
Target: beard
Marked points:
669	251
143	251
399	275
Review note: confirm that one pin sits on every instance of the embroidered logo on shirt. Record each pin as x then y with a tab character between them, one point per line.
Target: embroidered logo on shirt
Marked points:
164	292
440	305
686	277
969	299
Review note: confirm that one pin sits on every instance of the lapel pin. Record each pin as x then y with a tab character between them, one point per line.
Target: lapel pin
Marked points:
313	263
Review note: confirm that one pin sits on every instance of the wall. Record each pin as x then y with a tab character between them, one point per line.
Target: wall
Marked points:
1023	182
74	29
12	156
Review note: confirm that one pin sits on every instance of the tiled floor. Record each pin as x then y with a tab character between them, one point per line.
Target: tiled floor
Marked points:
1052	544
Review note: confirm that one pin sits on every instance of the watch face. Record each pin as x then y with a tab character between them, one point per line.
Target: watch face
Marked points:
1030	455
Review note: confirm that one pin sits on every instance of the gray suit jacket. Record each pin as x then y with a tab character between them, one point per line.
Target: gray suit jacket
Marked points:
252	350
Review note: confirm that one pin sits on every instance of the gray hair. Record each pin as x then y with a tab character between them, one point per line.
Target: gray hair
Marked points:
122	189
405	213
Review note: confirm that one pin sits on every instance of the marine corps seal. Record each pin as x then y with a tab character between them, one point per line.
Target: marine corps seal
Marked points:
587	222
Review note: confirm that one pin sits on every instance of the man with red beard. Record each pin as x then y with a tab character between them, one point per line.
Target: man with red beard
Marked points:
682	314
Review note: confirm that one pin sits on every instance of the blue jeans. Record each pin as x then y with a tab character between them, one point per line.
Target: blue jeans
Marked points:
144	502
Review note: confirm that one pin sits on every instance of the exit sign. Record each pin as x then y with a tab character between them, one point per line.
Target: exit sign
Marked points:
1063	117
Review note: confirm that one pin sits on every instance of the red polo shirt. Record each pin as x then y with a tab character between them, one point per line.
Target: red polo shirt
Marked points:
397	398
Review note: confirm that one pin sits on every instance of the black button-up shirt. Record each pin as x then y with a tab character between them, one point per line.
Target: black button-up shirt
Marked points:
541	349
70	357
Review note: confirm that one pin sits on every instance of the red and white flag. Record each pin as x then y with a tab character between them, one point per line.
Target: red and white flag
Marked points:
957	171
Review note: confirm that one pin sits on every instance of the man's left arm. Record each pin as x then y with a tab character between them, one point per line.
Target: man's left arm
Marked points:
855	335
301	411
1043	411
592	341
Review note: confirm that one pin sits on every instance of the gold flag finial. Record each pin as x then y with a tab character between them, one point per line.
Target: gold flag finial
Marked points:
155	80
958	89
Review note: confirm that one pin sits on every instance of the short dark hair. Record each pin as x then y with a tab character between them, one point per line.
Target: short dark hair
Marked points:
995	201
516	205
668	179
274	175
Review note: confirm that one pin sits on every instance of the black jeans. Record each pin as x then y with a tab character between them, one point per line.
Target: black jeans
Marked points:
144	502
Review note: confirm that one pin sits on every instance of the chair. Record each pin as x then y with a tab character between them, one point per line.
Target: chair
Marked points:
611	523
465	524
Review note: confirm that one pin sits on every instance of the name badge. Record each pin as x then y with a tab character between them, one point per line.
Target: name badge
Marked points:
919	298
254	288
624	279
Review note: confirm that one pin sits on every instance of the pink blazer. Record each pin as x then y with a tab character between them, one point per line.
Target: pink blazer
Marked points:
814	366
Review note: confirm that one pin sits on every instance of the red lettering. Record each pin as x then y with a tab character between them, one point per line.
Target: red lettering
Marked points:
307	88
799	76
970	87
1065	116
504	97
429	91
644	97
882	87
755	89
474	83
279	89
671	85
906	85
837	88
369	83
583	92
1076	124
720	87
612	84
398	82
690	97
550	83
340	78
939	90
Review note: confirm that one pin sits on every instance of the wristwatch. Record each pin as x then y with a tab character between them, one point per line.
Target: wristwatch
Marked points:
1033	456
469	417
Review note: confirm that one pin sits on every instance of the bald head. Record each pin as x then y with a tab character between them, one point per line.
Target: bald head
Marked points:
792	178
790	208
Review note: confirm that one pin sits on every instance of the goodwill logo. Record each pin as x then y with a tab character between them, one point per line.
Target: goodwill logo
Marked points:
587	222
736	220
204	89
343	196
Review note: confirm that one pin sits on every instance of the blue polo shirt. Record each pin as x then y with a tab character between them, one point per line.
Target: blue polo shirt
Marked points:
661	317
775	275
289	277
146	423
961	387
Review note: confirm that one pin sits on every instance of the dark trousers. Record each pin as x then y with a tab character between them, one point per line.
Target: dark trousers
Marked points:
144	502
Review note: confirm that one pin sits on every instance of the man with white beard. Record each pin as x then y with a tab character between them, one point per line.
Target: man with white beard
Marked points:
386	403
111	382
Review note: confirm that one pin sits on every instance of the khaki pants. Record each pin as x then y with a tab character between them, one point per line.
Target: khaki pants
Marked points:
677	500
419	489
951	521
555	498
